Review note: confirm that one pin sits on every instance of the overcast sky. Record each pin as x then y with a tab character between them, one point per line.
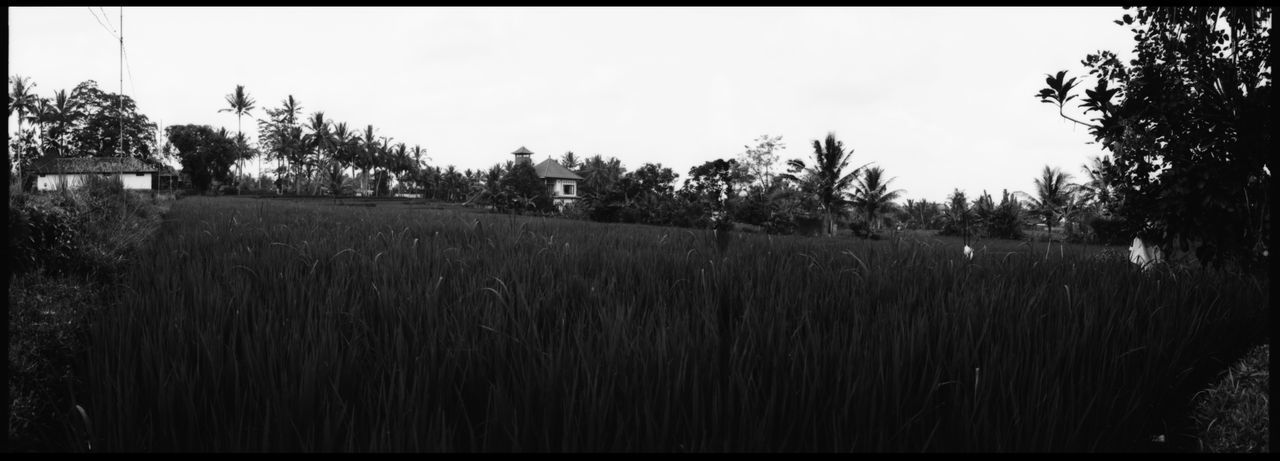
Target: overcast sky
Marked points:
942	98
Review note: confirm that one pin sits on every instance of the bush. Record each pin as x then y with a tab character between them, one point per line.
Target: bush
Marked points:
754	209
1004	223
860	228
1078	233
1112	230
781	223
40	235
82	230
574	210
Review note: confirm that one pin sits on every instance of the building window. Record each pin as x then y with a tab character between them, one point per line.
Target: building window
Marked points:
568	189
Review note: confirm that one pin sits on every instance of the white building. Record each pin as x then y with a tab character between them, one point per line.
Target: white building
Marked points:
52	173
562	183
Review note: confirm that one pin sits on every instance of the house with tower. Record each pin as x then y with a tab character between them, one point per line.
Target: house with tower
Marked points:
561	183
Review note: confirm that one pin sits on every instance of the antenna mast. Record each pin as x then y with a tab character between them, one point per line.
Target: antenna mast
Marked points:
120	97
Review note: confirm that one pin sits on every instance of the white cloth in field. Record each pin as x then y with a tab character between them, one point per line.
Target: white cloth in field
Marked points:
1144	255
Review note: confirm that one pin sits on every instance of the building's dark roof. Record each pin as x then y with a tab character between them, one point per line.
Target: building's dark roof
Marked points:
522	151
552	169
91	165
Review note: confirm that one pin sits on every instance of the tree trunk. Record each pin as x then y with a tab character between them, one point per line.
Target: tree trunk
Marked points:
21	115
239	162
1048	225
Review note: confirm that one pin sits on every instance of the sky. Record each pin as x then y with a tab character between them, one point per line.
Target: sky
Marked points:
941	98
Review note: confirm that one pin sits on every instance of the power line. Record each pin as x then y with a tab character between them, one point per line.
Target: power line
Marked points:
128	67
108	19
104	26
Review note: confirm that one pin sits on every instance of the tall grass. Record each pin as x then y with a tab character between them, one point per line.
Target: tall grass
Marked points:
256	325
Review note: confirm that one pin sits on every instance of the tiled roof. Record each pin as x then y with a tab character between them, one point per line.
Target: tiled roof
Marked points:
552	169
91	165
522	151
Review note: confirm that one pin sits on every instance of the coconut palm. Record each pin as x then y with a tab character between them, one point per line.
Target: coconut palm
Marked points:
1097	191
342	151
922	214
240	104
366	155
60	113
418	154
1054	195
402	163
289	111
276	134
41	115
872	196
826	179
570	161
319	141
21	100
382	163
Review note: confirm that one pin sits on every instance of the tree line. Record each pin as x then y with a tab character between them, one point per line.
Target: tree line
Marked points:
315	155
1186	126
85	122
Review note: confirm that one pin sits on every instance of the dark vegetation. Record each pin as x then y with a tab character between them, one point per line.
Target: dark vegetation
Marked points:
65	252
691	357
306	326
1188	124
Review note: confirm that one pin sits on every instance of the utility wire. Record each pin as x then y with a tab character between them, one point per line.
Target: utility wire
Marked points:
108	19
104	26
128	67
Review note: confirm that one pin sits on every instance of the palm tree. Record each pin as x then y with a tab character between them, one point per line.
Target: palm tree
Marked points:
61	112
921	214
418	153
319	141
452	183
826	179
570	160
1053	196
241	104
289	111
1097	191
21	100
41	115
367	155
872	196
343	150
382	164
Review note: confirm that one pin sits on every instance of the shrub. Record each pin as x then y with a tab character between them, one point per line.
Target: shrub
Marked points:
780	223
40	235
754	209
1112	230
1004	223
860	228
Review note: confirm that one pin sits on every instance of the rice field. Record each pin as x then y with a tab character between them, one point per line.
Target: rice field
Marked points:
267	325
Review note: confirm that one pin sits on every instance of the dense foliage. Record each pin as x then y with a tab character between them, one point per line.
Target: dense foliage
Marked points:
66	251
84	123
521	190
206	155
1189	124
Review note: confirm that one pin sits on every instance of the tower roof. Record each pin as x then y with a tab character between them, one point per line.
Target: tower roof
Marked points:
522	151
